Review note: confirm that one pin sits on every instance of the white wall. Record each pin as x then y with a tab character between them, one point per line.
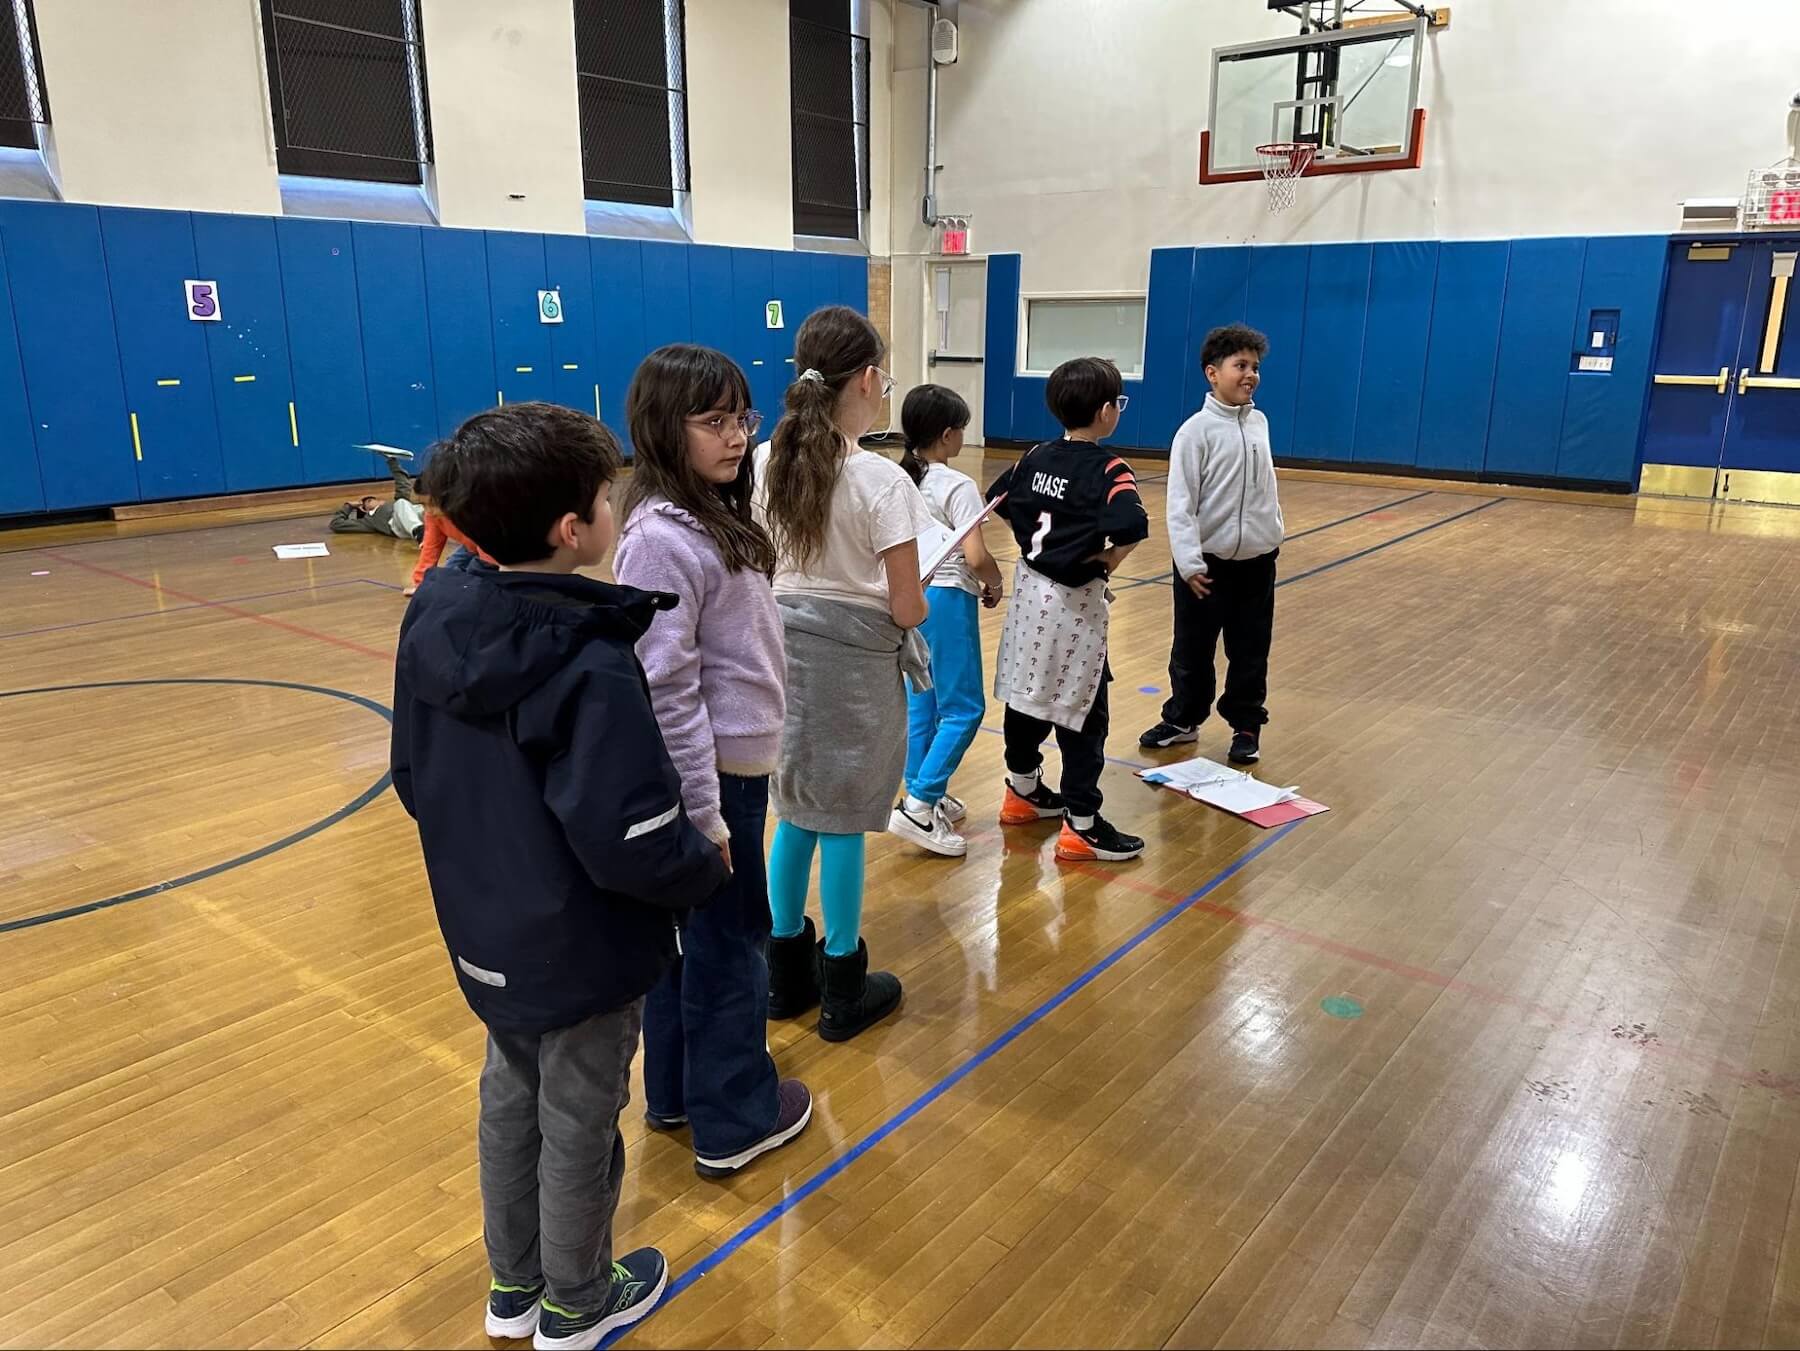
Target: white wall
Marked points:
504	115
740	148
158	104
1070	128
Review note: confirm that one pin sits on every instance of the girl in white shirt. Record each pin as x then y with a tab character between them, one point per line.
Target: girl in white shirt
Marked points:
943	720
845	523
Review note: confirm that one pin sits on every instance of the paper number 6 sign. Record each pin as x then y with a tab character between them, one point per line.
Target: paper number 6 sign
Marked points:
202	300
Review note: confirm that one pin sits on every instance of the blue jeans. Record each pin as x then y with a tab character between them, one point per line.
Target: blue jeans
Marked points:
706	1053
943	720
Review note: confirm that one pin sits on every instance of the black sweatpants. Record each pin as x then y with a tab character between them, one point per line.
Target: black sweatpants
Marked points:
1242	607
1083	752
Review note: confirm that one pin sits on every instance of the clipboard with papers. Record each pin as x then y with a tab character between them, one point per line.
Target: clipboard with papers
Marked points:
937	542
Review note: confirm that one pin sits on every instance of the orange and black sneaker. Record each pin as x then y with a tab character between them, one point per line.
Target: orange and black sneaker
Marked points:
1025	809
1099	843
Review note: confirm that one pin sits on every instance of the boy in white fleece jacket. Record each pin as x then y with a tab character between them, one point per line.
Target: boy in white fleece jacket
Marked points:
1225	531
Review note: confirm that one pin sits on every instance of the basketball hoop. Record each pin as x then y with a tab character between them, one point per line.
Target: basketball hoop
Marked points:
1283	163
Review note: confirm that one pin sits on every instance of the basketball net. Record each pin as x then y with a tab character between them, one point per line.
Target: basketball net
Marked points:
1283	163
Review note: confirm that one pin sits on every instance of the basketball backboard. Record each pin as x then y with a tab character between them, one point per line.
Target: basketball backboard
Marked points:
1353	93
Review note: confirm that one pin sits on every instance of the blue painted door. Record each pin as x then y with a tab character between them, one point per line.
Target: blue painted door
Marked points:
168	380
21	484
568	270
1764	431
1704	305
618	276
248	351
70	354
325	350
462	325
515	274
396	335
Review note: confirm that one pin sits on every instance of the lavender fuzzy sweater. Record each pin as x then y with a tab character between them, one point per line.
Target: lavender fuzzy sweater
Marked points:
715	662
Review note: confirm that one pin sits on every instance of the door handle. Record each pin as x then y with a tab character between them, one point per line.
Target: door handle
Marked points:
1748	381
1718	382
1743	380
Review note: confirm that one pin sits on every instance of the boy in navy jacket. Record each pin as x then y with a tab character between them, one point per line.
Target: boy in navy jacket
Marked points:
550	817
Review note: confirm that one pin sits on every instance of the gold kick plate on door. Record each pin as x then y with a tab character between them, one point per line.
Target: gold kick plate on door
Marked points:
1718	382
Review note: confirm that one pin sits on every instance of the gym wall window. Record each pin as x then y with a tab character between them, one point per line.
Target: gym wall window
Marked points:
23	105
631	77
347	88
829	74
1060	328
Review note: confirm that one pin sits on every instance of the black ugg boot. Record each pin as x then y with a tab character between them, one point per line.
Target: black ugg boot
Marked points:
854	997
794	973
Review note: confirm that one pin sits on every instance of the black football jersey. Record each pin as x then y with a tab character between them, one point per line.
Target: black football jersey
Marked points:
1067	501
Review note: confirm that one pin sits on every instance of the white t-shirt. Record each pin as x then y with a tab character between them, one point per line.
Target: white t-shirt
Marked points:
874	506
954	501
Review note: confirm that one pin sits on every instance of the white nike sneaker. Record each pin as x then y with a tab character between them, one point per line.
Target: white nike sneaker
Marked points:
933	831
954	810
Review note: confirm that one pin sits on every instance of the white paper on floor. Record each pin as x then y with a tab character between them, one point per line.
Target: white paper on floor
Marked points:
302	551
1220	785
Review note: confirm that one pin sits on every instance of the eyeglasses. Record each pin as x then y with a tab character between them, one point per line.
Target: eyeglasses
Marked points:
1121	401
720	424
887	382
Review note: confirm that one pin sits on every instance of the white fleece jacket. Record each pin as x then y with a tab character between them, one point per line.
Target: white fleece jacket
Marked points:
1222	487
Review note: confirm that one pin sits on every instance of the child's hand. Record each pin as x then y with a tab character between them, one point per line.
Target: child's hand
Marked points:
990	595
725	853
407	591
1200	584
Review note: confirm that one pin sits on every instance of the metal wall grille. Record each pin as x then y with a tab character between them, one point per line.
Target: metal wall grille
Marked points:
631	75
23	106
347	88
829	68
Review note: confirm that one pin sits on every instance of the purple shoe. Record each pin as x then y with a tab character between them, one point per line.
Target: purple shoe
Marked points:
795	1113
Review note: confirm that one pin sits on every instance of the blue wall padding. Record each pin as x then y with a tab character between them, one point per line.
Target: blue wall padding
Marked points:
250	340
1402	278
1331	352
331	400
1462	355
1531	376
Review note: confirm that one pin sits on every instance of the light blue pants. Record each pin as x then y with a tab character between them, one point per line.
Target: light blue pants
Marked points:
943	721
840	885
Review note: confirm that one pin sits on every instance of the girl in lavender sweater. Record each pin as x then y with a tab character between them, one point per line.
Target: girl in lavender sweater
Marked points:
716	671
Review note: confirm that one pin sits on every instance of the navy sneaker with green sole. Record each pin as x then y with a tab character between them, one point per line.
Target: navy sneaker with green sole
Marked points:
638	1281
512	1310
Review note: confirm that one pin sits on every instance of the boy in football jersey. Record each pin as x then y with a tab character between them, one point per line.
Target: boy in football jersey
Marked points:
1075	511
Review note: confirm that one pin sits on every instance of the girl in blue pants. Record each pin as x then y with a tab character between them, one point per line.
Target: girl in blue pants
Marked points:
942	721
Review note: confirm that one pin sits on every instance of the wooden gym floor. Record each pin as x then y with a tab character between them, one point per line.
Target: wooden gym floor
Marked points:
1130	1107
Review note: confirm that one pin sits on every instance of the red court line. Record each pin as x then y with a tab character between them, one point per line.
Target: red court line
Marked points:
345	643
1787	1086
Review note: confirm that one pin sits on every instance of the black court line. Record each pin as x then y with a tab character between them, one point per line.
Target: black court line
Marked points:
200	605
1347	558
349	809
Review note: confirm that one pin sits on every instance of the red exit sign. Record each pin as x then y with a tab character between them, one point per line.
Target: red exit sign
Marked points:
1784	206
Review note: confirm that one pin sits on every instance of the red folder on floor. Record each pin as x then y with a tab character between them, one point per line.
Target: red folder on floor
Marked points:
1283	812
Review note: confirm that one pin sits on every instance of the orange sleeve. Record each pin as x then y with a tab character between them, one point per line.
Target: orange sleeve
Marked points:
449	528
431	547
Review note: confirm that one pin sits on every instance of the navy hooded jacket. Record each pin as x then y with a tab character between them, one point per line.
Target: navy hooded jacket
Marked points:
550	815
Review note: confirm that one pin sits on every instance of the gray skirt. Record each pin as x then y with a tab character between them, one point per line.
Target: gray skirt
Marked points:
843	744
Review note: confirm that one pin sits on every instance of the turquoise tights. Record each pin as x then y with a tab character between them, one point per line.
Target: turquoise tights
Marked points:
840	885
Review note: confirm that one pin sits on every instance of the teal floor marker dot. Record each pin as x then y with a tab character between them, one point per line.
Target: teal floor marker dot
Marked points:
1342	1006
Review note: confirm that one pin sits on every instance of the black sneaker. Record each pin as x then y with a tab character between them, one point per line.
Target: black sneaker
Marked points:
638	1281
512	1310
1166	734
793	1114
1042	803
1100	842
1246	748
664	1125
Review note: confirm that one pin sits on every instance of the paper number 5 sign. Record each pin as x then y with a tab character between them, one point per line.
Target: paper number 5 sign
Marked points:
550	307
202	300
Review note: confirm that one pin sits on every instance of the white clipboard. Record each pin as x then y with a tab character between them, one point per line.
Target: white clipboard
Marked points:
937	543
